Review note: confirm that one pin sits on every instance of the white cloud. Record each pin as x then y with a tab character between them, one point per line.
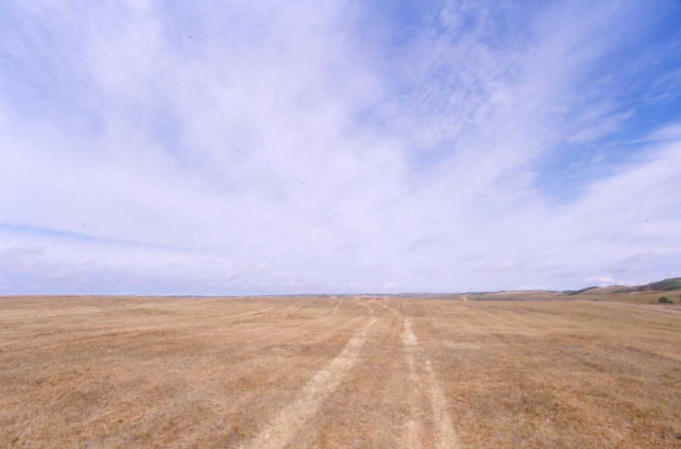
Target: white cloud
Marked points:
264	148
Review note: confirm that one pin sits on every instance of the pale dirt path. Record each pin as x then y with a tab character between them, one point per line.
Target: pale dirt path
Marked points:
413	428
446	436
279	308
290	420
288	309
335	309
254	312
364	305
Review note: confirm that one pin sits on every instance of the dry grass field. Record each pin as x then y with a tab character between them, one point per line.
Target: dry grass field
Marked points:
103	372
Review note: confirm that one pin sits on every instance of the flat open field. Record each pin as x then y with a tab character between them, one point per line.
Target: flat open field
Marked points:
337	373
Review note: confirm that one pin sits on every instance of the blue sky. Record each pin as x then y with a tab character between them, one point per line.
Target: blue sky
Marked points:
233	148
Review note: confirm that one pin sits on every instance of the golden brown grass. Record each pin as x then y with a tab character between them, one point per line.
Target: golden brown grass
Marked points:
337	373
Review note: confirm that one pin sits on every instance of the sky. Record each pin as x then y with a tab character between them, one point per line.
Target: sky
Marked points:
276	147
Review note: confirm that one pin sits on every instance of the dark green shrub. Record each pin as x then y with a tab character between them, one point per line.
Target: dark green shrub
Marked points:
664	300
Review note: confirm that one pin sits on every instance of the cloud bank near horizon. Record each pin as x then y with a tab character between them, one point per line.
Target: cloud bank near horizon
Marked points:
163	148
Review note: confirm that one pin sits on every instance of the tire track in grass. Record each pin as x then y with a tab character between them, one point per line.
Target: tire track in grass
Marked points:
296	306
446	435
286	424
335	309
253	312
413	428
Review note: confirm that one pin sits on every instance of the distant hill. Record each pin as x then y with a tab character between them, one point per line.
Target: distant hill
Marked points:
645	294
663	285
577	292
659	286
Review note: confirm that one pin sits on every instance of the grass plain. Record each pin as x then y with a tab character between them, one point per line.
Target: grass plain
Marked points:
337	372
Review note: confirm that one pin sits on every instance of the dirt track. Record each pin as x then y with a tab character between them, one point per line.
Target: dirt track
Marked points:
336	373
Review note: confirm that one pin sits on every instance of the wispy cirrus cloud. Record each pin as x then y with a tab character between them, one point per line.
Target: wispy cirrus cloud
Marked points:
236	148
